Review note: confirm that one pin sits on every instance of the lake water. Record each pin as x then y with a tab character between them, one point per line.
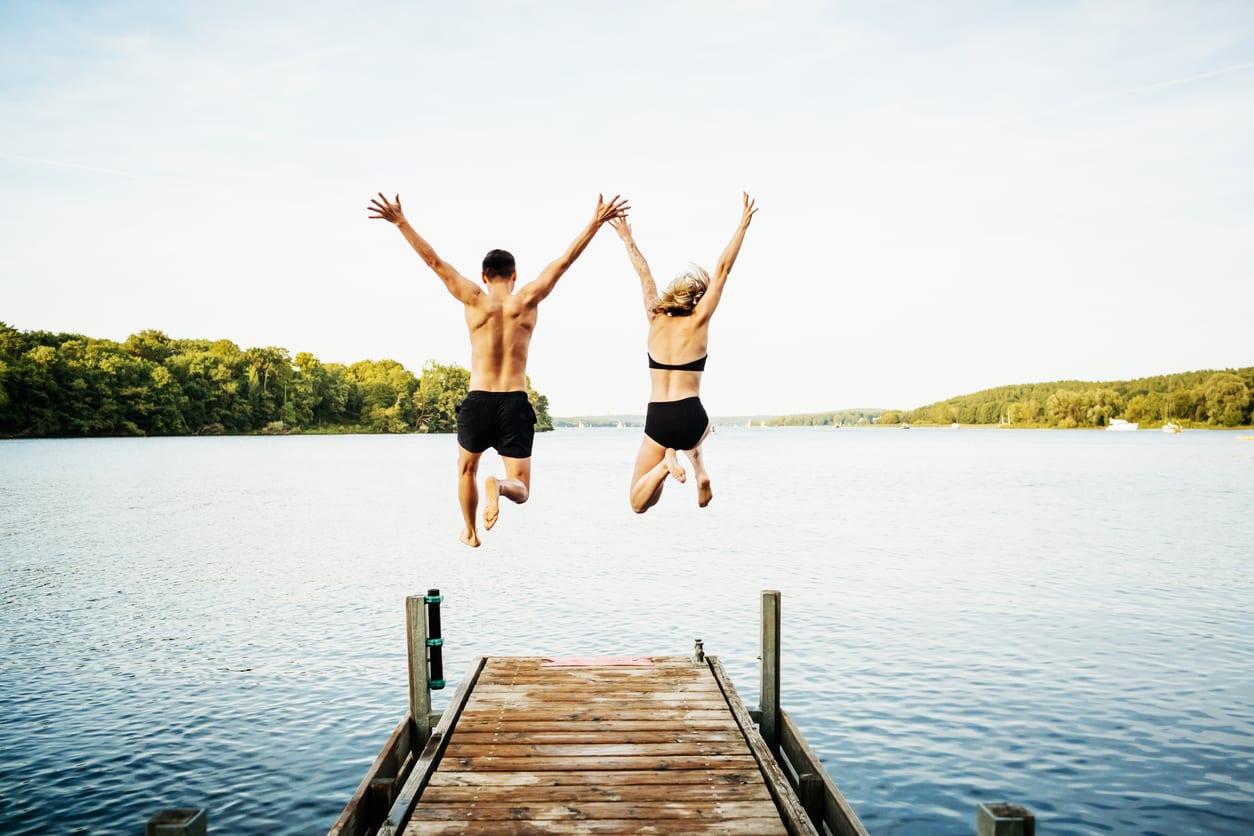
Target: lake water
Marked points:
1061	619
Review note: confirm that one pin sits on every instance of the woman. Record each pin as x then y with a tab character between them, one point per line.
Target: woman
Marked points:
679	328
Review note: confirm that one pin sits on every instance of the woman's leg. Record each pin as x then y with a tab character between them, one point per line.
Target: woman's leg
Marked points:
697	457
653	464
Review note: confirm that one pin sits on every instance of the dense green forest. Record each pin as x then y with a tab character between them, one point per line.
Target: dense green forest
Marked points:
71	385
1202	398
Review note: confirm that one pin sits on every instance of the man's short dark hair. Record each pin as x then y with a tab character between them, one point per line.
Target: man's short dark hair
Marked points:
498	264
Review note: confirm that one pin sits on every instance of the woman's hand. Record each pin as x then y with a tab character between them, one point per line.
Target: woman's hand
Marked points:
384	210
748	211
622	227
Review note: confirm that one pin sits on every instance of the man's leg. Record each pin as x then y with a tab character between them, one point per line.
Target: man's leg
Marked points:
516	487
468	493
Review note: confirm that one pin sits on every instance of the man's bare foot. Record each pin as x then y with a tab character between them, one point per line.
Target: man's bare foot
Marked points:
672	465
704	492
470	538
492	502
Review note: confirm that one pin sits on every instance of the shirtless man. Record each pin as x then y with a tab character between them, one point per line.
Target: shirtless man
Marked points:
496	412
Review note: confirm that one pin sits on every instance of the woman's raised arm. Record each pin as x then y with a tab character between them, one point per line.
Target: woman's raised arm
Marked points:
647	287
705	307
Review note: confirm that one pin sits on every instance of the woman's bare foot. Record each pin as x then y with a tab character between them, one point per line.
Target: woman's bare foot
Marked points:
672	465
470	538
704	492
492	502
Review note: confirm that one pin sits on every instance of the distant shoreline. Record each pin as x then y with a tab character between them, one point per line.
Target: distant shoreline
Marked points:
877	427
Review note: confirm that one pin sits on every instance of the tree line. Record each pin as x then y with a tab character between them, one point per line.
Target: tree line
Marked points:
836	418
54	384
1201	398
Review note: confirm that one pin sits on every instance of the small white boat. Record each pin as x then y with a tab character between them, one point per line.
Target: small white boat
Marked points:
1172	427
955	426
1120	425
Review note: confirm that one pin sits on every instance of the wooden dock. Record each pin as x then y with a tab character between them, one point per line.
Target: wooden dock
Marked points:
659	744
605	746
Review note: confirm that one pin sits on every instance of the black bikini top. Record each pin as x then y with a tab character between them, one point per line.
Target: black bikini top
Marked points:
697	365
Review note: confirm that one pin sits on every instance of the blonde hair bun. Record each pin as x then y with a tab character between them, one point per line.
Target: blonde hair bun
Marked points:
683	294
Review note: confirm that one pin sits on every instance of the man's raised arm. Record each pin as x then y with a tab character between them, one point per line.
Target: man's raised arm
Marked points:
462	288
543	285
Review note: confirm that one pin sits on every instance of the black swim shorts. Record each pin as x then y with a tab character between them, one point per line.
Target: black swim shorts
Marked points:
502	420
679	425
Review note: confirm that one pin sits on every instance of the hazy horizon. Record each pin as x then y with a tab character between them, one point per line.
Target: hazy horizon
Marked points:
952	199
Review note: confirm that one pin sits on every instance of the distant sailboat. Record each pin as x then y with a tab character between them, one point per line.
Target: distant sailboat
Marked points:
1170	426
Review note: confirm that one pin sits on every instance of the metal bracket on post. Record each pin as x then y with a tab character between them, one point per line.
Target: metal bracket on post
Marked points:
435	641
769	706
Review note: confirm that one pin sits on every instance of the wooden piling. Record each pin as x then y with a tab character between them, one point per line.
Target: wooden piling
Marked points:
769	701
178	822
419	692
1004	819
810	791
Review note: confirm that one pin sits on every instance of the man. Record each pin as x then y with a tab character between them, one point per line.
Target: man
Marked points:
496	412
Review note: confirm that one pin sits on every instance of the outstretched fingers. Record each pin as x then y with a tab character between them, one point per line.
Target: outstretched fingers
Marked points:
384	209
750	205
617	208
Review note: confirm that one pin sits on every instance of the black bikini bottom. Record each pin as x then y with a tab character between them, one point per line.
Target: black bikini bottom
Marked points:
678	425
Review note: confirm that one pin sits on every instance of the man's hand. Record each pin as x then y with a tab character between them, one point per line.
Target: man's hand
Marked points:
622	227
749	209
384	210
616	208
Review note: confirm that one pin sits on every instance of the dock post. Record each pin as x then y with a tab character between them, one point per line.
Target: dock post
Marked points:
178	822
1004	820
419	690
769	704
810	791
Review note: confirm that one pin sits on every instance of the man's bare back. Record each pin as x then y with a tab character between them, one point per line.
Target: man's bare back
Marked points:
501	324
496	412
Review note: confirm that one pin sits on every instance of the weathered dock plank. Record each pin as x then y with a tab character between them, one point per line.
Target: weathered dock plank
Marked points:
602	746
705	777
593	791
738	827
703	810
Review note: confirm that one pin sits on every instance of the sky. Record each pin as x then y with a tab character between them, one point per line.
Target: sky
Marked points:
953	196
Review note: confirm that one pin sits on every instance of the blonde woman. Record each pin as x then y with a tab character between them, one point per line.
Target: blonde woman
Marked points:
679	329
